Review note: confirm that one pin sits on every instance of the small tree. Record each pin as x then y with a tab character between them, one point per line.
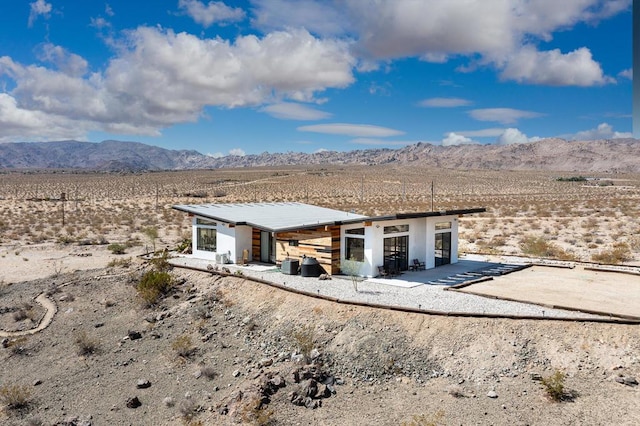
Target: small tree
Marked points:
351	267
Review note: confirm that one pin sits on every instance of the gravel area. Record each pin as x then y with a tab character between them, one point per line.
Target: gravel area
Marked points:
420	296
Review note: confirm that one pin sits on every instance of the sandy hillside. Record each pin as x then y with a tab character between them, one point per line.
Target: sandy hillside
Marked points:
240	343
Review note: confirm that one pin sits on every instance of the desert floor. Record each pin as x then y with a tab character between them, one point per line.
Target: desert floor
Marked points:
216	345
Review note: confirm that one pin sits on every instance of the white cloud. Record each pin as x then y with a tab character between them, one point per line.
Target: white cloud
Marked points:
514	136
356	130
502	115
317	16
108	10
293	111
553	68
161	78
490	32
603	131
444	102
212	12
215	155
237	152
39	8
482	133
628	73
456	139
69	63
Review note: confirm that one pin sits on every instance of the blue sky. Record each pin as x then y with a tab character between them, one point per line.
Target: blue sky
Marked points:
244	77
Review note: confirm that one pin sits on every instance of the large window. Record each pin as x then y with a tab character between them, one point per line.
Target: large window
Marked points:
206	239
354	249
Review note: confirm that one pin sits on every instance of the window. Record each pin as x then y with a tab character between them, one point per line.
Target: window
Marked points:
294	243
205	222
443	225
396	228
206	239
356	231
354	249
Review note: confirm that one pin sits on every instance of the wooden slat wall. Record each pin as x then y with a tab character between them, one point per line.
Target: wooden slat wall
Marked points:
255	244
323	243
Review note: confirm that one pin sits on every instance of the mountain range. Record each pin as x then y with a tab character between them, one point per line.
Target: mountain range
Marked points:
615	156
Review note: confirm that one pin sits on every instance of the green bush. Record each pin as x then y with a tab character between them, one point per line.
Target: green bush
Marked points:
116	248
153	286
555	388
183	346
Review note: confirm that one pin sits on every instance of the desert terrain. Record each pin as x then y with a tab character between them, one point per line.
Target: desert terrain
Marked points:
226	350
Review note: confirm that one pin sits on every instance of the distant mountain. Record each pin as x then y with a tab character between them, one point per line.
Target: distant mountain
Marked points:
617	155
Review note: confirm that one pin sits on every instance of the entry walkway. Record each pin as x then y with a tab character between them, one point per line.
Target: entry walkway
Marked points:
410	291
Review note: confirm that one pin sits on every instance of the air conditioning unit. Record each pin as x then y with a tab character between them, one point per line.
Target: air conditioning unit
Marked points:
222	258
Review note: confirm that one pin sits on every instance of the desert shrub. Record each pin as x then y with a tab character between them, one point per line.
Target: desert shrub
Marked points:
123	263
116	248
184	245
209	372
20	315
554	387
18	346
153	286
15	397
541	247
253	412
85	344
161	262
304	338
183	346
618	254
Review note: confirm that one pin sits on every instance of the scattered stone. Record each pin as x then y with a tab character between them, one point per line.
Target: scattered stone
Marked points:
98	324
5	343
235	373
314	354
143	384
536	377
133	402
324	277
37	382
265	362
134	335
627	380
492	394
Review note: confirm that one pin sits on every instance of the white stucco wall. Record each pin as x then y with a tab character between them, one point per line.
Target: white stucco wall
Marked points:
243	242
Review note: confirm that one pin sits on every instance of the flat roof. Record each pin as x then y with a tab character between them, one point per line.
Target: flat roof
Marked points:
276	217
286	216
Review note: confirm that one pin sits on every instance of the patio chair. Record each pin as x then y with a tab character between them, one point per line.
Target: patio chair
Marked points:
382	272
418	266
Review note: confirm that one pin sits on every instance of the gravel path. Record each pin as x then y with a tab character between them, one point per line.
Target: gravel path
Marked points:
421	297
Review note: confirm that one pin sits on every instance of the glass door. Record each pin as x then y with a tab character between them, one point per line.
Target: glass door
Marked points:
443	248
396	256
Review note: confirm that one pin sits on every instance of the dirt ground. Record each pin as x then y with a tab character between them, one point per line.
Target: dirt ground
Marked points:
612	293
390	368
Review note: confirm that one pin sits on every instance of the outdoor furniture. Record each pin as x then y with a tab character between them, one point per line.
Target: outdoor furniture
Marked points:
383	272
418	266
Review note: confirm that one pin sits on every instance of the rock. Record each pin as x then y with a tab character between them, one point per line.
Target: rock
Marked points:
265	362
37	382
620	380
310	389
312	403
314	354
492	394
98	324
630	381
535	376
277	381
5	343
133	402
235	373
324	277
134	335
143	384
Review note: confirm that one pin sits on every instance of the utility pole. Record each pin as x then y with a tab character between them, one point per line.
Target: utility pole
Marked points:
63	198
431	195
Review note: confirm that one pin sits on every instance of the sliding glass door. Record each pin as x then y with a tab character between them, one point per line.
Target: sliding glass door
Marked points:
396	256
443	248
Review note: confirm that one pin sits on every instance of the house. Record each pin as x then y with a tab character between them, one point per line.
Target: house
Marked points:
273	232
